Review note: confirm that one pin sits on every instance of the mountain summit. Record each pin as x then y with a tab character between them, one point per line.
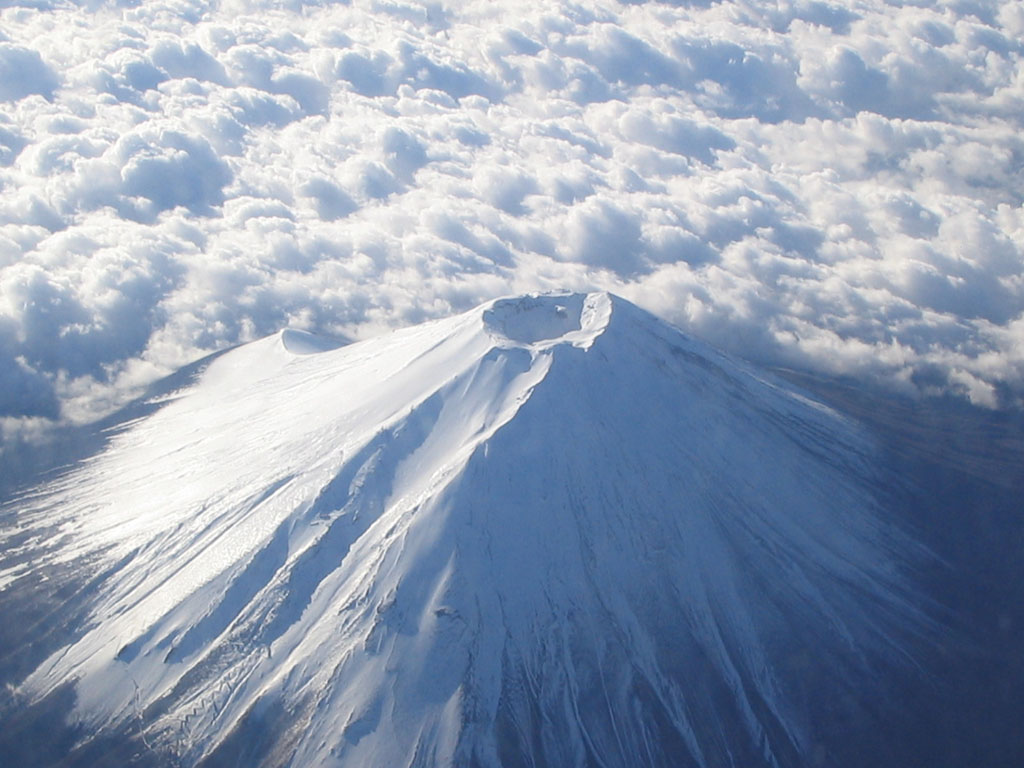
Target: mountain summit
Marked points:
552	531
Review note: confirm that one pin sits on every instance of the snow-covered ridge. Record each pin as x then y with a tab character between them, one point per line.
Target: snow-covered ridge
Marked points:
550	531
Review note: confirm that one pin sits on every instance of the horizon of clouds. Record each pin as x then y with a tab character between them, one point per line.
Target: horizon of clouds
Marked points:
832	188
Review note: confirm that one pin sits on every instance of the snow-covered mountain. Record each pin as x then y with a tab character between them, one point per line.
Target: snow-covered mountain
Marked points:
552	531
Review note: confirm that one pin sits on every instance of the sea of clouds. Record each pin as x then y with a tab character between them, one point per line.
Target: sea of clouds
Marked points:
834	187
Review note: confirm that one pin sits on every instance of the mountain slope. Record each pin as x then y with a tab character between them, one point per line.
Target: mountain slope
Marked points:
552	531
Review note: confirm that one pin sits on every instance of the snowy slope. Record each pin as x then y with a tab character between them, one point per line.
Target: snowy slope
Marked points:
552	531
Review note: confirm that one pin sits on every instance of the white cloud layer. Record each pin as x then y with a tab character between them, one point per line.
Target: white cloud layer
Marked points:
834	187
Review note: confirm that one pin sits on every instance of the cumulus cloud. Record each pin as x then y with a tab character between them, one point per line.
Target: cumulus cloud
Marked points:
23	72
832	187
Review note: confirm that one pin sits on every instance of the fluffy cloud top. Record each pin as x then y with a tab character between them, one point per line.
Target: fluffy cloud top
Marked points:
22	72
831	187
